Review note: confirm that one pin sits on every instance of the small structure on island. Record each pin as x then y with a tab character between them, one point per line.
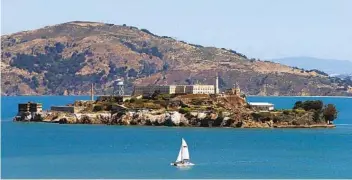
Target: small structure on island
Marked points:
30	107
29	111
234	91
120	87
261	106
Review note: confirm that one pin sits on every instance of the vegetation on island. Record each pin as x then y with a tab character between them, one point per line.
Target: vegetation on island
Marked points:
198	110
328	111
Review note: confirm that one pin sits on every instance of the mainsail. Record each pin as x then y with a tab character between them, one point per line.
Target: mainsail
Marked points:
183	153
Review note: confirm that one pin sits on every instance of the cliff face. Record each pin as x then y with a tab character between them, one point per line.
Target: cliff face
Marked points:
244	119
64	59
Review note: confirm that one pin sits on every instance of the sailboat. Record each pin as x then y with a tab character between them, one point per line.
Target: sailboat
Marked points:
183	156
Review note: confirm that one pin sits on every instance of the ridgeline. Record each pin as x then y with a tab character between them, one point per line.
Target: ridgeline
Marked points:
65	59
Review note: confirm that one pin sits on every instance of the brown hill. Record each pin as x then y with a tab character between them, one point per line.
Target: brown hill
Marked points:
66	58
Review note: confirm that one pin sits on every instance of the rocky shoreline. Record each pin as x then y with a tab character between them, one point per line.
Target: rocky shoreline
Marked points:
175	118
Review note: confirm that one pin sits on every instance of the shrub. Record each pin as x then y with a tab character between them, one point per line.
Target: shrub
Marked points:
132	73
148	32
300	110
35	82
155	94
298	104
150	105
286	112
98	108
265	114
164	97
132	100
184	110
276	119
162	103
262	116
197	101
316	105
318	72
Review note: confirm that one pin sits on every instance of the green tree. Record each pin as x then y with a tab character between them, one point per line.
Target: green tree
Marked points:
316	105
298	105
330	113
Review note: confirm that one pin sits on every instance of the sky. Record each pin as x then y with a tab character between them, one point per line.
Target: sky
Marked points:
265	29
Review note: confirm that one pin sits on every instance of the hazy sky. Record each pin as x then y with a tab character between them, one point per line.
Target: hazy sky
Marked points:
258	28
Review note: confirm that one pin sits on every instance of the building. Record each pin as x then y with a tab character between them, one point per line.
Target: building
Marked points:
150	89
261	106
174	89
200	89
68	109
30	107
234	91
178	89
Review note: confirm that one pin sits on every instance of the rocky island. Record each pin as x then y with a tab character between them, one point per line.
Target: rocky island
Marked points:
187	110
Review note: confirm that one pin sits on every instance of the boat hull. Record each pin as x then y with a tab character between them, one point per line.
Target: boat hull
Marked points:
187	164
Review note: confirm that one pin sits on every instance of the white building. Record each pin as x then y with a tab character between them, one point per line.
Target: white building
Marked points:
261	106
178	89
174	89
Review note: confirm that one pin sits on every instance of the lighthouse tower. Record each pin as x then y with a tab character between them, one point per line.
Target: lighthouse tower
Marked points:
216	88
216	84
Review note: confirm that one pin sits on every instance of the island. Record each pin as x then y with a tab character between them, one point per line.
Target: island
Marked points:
227	109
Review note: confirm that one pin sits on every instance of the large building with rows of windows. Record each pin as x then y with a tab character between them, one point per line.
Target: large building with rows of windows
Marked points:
178	89
174	89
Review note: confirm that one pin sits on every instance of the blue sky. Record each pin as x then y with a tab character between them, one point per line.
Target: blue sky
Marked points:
263	29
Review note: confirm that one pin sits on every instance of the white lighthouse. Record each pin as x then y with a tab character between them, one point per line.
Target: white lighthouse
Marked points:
216	89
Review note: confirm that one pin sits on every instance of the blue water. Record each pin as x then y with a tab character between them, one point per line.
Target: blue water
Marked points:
38	150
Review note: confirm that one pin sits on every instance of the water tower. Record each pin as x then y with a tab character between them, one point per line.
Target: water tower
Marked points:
120	87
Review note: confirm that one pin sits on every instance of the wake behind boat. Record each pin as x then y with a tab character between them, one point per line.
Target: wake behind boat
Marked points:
183	156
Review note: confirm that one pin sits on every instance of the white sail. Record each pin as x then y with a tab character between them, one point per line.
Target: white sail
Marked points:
185	152
183	156
179	158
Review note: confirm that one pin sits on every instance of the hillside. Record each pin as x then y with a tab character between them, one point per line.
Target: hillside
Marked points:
330	66
64	59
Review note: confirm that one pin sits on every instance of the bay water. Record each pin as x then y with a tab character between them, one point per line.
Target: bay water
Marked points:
43	150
